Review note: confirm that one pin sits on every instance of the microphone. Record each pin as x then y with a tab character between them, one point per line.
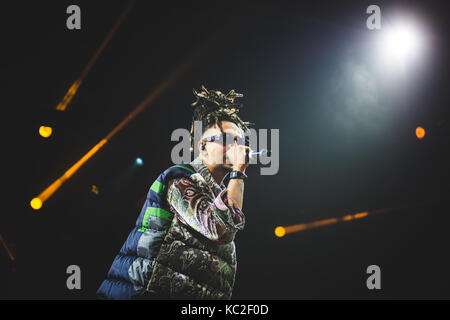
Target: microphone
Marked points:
261	152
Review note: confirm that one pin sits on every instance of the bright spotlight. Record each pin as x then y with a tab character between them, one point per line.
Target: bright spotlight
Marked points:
139	161
400	43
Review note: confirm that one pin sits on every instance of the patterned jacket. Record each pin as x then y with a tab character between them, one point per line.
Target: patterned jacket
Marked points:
182	246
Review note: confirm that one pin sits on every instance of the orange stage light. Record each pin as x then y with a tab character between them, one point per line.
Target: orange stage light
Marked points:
45	132
420	132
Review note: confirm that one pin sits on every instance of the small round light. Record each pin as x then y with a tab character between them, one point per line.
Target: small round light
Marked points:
420	132
36	203
94	189
280	231
139	161
45	132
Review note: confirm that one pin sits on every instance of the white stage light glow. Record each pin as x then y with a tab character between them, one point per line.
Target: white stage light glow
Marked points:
400	44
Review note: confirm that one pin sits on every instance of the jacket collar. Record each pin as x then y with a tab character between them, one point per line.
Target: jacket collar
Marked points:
200	167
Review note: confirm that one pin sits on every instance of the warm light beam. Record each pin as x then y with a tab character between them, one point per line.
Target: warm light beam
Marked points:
36	203
62	106
319	223
281	231
10	254
216	39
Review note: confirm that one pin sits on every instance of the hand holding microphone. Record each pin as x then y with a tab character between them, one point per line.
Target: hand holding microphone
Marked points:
240	156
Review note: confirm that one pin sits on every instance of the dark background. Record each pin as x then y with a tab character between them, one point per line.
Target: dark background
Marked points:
347	141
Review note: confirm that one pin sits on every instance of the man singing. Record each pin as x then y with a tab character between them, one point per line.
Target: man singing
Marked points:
182	246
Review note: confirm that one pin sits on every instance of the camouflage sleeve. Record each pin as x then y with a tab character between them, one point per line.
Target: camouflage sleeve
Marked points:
213	218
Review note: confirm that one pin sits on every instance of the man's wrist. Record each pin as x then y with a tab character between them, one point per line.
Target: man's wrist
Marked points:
240	169
236	174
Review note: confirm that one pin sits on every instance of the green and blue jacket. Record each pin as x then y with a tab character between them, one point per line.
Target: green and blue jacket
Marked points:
182	246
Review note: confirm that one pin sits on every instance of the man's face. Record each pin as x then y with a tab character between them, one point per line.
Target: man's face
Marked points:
215	151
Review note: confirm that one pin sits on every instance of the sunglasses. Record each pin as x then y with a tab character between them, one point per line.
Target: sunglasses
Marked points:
227	139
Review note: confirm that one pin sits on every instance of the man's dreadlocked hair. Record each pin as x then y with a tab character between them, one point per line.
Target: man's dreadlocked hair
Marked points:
212	107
